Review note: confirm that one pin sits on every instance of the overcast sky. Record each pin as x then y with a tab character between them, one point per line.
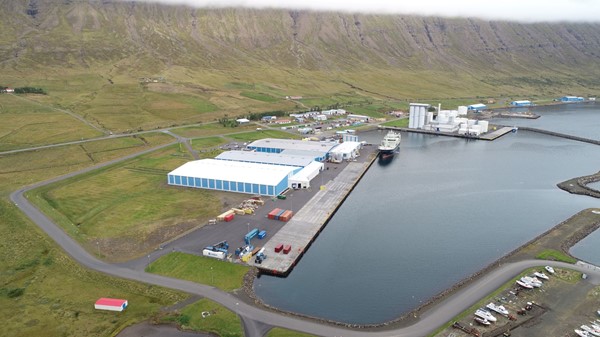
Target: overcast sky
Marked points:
518	10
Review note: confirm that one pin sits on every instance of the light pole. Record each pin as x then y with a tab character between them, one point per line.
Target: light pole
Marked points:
248	228
292	201
98	246
212	276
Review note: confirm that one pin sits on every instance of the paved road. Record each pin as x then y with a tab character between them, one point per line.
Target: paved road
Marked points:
257	320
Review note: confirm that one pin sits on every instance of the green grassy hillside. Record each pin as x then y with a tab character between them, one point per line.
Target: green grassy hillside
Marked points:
130	65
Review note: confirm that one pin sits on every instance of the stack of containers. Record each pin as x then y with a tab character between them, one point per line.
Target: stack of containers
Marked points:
286	216
273	213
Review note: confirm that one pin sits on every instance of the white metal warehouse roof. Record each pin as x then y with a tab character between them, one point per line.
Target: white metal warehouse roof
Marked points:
346	147
293	144
262	174
267	158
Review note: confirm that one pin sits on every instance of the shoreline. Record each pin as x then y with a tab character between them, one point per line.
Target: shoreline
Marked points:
569	232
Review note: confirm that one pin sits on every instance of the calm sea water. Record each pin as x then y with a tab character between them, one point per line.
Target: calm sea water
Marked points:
441	210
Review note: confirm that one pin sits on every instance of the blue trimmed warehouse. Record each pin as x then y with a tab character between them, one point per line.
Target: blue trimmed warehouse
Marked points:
233	176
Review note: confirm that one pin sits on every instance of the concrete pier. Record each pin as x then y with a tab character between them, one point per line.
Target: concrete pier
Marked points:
306	224
487	136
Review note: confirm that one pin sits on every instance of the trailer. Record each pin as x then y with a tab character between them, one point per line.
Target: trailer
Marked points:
278	248
287	249
228	217
250	235
215	254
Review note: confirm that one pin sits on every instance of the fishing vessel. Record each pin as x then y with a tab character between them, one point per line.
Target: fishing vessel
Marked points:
390	143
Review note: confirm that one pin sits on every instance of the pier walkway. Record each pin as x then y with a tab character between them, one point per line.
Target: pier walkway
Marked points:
305	225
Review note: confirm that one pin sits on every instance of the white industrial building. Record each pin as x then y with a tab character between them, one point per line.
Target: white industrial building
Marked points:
345	151
477	107
233	176
273	145
267	158
417	115
303	178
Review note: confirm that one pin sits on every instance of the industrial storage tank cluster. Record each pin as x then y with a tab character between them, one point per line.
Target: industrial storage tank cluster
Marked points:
448	121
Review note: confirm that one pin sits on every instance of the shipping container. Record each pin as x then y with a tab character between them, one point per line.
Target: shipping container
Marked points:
229	217
251	235
279	214
274	212
286	216
256	250
287	249
262	234
278	248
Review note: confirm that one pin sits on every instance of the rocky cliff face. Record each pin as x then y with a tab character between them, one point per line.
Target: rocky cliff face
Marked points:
85	33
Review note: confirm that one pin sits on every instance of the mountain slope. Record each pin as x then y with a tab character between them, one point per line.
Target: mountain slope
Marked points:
377	53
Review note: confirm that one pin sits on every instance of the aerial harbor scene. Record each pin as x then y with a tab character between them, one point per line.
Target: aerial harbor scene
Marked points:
292	169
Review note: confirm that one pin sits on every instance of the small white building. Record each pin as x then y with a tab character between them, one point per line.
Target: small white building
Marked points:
303	178
243	121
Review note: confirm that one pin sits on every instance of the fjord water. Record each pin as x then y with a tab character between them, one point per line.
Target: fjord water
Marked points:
440	211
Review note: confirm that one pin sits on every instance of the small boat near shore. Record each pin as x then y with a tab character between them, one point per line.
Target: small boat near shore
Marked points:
531	281
524	285
582	333
482	313
497	308
541	275
549	269
590	330
482	321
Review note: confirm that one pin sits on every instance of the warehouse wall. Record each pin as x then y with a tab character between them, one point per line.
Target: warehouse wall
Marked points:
226	185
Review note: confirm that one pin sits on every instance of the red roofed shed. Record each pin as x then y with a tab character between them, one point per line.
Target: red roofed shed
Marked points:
112	304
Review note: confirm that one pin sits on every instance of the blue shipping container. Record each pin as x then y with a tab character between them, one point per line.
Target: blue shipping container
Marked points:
251	235
262	234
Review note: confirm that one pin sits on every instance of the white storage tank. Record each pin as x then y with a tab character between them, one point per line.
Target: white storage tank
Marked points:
484	126
422	113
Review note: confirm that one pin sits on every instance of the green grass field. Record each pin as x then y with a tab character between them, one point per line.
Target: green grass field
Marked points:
44	293
279	332
205	270
211	129
128	209
554	255
399	123
26	124
266	133
217	320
